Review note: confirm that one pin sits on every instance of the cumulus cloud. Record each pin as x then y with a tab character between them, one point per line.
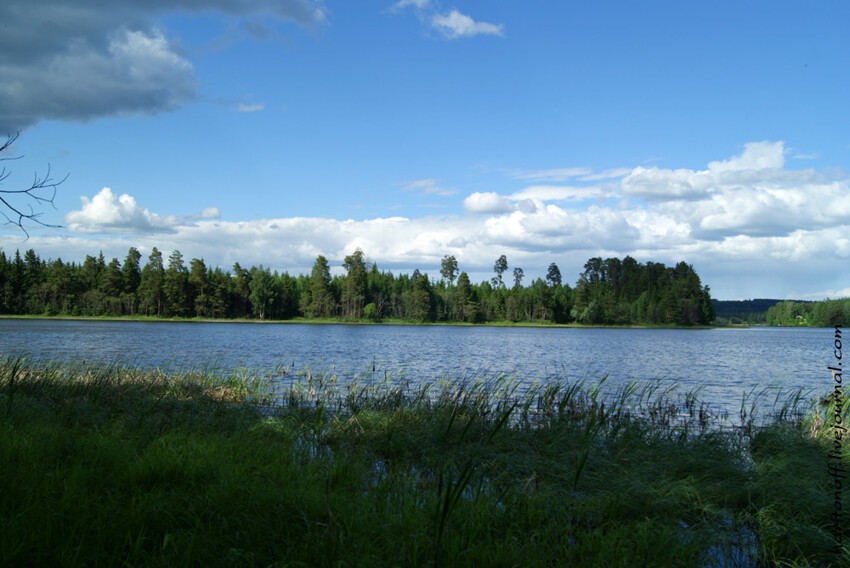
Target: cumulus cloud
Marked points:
656	184
750	194
745	205
81	61
487	202
209	213
107	212
743	211
756	156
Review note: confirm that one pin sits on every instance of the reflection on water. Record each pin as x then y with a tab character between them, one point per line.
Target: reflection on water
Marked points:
723	364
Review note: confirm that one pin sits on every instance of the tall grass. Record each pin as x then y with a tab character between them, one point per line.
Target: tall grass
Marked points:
112	466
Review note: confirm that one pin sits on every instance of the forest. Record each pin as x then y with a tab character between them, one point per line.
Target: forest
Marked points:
825	313
608	292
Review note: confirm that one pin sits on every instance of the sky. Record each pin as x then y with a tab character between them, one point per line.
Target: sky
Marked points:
272	131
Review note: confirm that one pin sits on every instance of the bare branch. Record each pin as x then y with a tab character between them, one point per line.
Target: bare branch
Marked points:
10	139
42	190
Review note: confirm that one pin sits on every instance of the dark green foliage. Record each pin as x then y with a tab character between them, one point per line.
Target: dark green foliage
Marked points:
612	291
354	288
608	292
319	300
742	311
112	466
826	313
151	295
265	290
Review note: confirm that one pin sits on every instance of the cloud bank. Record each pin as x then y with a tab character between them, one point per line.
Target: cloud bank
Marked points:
750	226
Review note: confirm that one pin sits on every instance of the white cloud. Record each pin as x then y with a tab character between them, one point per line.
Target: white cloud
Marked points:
756	156
209	213
821	294
455	25
552	228
656	184
106	212
745	209
749	194
452	24
657	230
487	202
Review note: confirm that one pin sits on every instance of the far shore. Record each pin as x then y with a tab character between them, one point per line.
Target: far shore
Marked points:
386	321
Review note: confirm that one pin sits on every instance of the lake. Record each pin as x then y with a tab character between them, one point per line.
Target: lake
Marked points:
723	363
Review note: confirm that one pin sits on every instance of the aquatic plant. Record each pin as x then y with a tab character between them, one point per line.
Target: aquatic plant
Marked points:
112	465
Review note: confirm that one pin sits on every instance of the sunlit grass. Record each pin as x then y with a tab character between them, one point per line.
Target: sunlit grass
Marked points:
112	466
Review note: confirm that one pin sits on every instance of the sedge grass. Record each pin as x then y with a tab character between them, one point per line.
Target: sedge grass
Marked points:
118	466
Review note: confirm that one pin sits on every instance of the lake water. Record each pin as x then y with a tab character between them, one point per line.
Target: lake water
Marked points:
723	363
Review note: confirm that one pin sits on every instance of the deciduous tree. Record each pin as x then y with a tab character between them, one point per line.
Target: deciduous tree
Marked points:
263	291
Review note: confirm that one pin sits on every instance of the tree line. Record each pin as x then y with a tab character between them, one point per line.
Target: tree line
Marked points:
609	291
825	313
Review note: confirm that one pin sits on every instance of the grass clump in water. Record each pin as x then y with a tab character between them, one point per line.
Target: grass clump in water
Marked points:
122	466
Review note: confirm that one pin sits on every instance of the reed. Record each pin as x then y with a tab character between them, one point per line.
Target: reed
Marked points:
112	465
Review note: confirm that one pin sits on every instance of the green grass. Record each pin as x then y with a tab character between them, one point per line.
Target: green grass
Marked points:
116	466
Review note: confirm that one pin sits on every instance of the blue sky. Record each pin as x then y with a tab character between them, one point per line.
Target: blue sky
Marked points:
269	132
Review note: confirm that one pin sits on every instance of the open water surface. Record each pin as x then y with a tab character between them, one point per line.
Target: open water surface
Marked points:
723	364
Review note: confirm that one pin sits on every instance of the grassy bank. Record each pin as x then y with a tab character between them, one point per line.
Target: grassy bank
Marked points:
111	466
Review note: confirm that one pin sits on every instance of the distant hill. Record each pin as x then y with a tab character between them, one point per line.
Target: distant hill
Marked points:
742	311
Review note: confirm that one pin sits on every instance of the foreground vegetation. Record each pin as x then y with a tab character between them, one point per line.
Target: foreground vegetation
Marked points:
610	291
112	466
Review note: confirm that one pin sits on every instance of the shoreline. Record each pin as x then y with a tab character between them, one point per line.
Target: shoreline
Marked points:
388	322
